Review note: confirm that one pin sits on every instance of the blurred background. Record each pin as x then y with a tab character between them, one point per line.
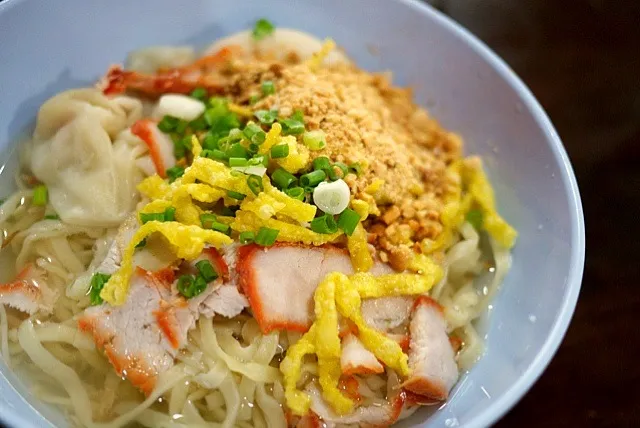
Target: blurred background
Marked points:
581	59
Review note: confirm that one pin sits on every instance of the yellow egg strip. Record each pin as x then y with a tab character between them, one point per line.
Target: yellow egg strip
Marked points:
291	368
249	222
187	242
154	187
272	138
298	158
483	195
359	250
316	59
339	294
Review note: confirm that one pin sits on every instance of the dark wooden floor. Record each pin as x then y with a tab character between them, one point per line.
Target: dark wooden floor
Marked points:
582	60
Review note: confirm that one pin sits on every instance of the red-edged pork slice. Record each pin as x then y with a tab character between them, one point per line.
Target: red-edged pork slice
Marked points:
280	281
372	415
28	292
159	144
432	364
356	359
221	296
142	336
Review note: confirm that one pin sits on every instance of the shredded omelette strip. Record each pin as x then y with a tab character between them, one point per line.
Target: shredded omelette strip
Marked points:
340	294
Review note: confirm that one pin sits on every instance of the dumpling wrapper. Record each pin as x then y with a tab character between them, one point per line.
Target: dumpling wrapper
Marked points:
91	181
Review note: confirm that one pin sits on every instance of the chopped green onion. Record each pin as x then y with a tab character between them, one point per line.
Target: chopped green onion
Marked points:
174	173
295	193
238	162
475	218
282	178
220	227
199	124
314	140
268	88
325	224
207	272
230	211
266	237
236	195
321	163
199	94
356	168
98	280
167	215
170	214
181	126
206	219
343	168
348	221
253	99
210	142
250	130
40	195
147	217
259	160
253	148
214	154
262	29
236	150
255	184
293	125
190	287
313	178
2	201
266	116
280	151
168	124
259	138
141	243
246	237
52	217
219	118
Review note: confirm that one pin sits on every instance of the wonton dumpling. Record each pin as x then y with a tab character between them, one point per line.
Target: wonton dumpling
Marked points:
278	45
149	60
91	181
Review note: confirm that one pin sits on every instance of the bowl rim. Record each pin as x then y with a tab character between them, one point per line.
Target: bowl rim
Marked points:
498	408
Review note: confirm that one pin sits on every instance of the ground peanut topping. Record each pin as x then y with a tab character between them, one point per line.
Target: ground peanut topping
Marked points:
403	151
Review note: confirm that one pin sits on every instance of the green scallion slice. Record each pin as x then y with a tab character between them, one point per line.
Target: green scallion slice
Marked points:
348	221
282	178
295	193
98	280
207	219
237	150
475	218
40	195
356	168
255	184
247	237
238	162
279	151
190	287
314	140
321	163
174	173
199	94
325	224
313	178
206	270
236	195
268	88
266	237
168	124
262	29
266	117
344	169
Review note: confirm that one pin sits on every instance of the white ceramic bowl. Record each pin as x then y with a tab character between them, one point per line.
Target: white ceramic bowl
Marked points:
47	47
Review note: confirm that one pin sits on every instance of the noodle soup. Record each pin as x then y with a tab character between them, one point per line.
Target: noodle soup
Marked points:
261	234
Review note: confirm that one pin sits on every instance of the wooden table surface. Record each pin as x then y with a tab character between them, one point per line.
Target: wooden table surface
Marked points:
582	61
